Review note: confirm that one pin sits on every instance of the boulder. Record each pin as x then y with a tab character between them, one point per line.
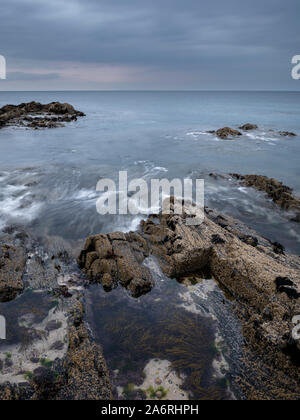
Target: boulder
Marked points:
227	132
60	109
248	127
44	383
116	258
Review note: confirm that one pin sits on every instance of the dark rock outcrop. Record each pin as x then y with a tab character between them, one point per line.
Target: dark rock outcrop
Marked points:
227	132
287	134
285	285
117	258
86	376
35	115
277	191
20	392
248	127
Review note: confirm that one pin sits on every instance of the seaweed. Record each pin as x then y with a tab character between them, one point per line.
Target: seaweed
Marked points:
28	375
158	393
131	335
46	362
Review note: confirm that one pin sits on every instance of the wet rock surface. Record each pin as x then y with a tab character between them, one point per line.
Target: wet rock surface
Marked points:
34	115
12	266
245	264
248	127
86	375
287	134
276	190
117	258
226	133
230	133
48	353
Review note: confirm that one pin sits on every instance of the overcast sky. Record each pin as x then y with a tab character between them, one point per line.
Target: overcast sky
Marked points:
153	44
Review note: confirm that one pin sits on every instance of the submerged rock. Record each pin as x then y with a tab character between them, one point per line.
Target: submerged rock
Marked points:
35	115
248	127
287	134
227	132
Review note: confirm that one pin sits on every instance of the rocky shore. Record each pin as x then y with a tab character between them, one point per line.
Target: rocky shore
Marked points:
257	274
34	115
48	353
228	133
276	190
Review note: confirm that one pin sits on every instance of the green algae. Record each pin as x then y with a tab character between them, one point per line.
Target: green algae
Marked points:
46	362
28	375
154	392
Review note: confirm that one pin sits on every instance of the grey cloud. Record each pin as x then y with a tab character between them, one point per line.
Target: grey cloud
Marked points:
162	35
19	75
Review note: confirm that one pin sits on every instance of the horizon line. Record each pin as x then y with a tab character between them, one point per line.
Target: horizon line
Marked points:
155	90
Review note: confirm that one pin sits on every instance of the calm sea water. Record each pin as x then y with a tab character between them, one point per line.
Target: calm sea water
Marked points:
48	178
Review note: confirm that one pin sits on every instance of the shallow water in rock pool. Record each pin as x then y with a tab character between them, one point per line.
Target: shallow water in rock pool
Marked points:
181	339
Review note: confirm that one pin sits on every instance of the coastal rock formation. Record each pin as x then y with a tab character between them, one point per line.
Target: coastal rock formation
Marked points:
12	265
265	284
86	376
277	191
227	132
287	134
117	258
82	375
248	127
12	392
36	115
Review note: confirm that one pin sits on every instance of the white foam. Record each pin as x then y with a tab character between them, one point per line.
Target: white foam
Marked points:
85	195
13	198
132	226
261	137
195	133
150	169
